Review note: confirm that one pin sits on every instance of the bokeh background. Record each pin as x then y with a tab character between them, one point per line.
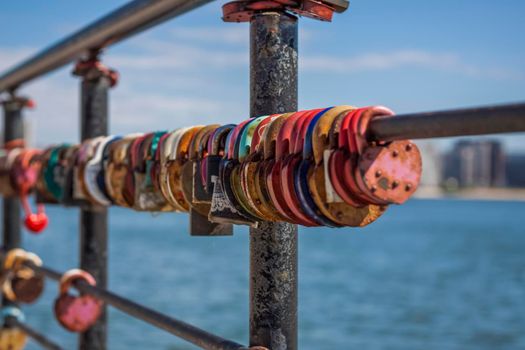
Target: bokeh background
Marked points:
432	274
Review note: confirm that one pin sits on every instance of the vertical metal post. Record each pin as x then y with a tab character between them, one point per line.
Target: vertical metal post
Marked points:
13	130
273	246
93	221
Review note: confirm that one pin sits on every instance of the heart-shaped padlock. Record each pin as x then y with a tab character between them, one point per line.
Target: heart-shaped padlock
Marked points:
76	313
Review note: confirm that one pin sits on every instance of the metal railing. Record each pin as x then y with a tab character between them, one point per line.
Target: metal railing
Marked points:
270	93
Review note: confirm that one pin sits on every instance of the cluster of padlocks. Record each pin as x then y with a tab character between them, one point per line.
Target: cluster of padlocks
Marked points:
313	168
20	284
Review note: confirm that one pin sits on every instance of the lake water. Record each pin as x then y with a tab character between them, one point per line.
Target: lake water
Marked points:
427	275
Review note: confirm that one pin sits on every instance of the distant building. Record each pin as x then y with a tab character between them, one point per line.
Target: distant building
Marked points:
516	170
432	164
476	164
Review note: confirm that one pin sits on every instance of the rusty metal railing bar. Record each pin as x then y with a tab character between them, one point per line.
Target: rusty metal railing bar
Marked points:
41	339
456	122
118	25
174	326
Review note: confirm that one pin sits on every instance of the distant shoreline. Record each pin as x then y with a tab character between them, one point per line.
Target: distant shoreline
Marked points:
497	194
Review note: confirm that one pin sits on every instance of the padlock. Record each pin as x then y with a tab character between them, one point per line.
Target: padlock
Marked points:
289	154
274	152
12	338
147	198
215	152
386	172
237	213
200	224
248	172
93	173
298	167
324	138
197	157
76	313
42	193
67	193
345	156
86	153
129	191
117	168
267	150
21	283
177	157
222	209
54	172
167	153
155	169
240	149
24	173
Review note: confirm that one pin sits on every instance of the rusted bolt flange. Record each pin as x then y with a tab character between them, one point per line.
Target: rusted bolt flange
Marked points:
244	10
92	69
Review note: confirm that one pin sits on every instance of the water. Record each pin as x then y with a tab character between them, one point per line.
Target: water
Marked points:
428	275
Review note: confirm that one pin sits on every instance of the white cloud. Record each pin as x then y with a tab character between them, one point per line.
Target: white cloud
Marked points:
449	62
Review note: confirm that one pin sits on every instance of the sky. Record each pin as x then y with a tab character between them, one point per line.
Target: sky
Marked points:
409	55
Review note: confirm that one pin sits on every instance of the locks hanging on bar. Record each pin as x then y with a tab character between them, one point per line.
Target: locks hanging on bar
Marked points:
20	283
12	338
76	313
312	168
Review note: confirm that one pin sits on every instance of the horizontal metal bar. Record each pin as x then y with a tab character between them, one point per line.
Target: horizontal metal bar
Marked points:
456	122
176	327
120	24
41	339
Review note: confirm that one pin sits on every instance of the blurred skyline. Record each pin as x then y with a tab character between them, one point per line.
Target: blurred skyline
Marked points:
410	56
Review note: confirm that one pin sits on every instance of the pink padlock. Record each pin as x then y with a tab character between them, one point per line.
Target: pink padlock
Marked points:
76	313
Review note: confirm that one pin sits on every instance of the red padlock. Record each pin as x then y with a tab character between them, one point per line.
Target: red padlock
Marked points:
76	313
24	176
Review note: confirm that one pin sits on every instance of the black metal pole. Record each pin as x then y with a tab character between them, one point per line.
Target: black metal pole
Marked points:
93	220
457	122
13	130
273	246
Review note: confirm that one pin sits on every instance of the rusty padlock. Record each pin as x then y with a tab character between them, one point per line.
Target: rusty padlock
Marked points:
76	313
12	338
386	172
21	283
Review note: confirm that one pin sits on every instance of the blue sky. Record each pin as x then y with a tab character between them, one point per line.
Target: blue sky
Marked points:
408	55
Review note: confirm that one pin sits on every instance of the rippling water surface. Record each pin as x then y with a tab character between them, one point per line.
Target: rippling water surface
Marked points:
428	275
